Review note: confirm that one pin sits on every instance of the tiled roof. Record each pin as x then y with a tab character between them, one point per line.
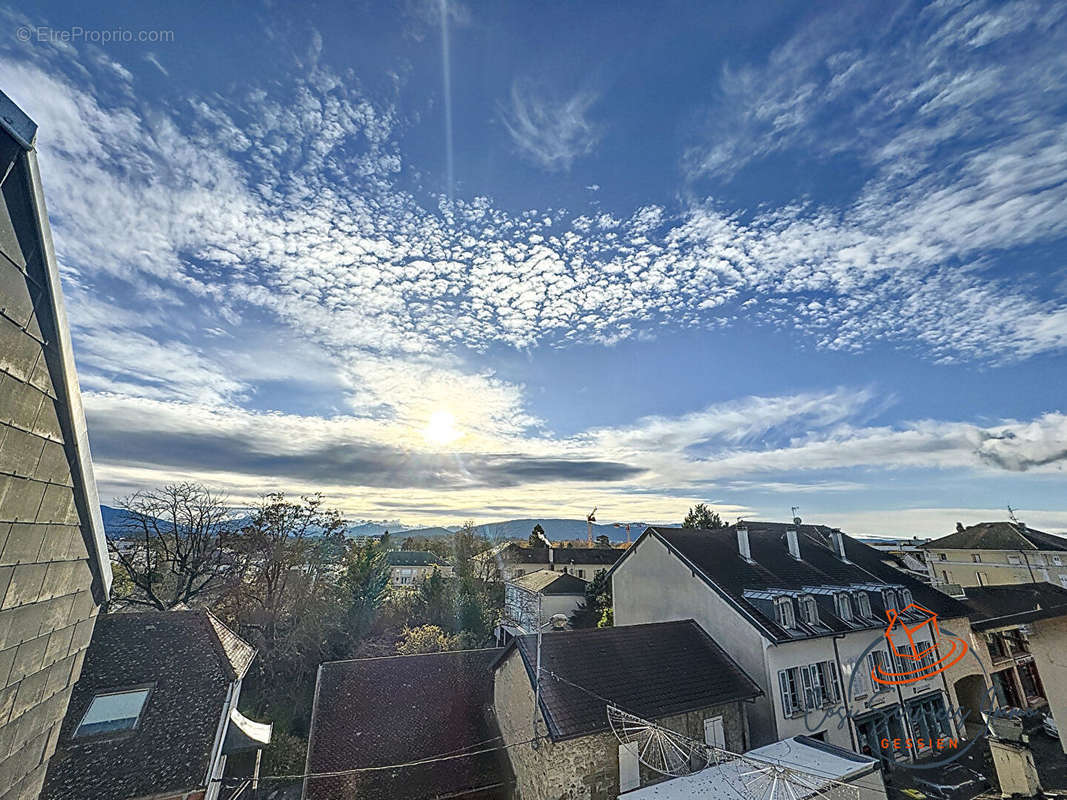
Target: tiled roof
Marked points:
414	558
547	581
998	536
714	555
605	556
381	711
652	670
1015	603
178	654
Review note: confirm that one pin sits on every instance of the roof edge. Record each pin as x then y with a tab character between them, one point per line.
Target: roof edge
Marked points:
17	123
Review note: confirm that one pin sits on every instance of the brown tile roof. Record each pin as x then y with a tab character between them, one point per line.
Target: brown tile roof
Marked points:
375	712
651	670
998	536
547	581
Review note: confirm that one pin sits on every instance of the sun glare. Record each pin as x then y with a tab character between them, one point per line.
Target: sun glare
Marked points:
441	428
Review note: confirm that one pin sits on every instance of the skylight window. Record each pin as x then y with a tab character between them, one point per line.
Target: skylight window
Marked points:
113	712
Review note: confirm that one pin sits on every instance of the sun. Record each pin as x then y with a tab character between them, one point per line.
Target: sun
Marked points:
441	428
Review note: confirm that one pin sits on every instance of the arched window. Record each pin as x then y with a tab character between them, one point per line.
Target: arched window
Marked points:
783	613
889	599
863	605
843	606
809	610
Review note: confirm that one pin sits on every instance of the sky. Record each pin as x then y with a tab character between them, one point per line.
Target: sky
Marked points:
450	261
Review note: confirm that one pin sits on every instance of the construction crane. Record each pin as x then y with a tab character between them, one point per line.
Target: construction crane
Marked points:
627	526
589	520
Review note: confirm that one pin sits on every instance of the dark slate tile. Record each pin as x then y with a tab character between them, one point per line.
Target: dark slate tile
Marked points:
58	505
47	422
29	658
18	350
7	658
19	402
18	225
20	452
16	302
21	500
53	466
25	586
42	376
19	624
23	543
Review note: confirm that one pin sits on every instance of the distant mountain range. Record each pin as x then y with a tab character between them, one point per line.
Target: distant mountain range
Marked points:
555	529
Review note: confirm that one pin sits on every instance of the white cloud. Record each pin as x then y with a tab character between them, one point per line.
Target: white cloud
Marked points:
552	133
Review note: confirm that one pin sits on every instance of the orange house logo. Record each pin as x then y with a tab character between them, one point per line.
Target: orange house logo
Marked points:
927	652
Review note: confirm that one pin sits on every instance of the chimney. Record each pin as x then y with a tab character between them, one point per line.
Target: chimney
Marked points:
838	540
959	527
742	542
551	558
793	542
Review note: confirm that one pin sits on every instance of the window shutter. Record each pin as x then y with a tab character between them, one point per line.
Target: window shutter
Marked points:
834	682
783	682
809	690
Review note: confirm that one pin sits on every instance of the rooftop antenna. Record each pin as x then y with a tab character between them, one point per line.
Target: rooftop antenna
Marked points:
796	515
1011	515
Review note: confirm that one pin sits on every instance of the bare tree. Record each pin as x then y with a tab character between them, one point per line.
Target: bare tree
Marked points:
179	555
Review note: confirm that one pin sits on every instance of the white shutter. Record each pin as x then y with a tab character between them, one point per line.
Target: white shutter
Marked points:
809	690
783	682
715	732
629	768
834	684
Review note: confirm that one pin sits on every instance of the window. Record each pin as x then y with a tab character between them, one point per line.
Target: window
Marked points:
944	576
1014	560
843	606
789	682
942	556
905	597
889	599
976	558
879	661
581	573
982	578
1063	581
820	684
783	613
715	732
809	610
863	604
1057	560
112	713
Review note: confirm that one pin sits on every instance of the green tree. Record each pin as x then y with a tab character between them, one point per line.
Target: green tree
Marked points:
363	589
591	610
537	536
425	639
702	518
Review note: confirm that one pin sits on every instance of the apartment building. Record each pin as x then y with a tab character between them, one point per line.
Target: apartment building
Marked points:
803	610
409	568
513	561
995	553
54	569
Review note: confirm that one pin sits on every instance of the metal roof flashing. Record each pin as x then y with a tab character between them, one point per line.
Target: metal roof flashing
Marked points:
15	121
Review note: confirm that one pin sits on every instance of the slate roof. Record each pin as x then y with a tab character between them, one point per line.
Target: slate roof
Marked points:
180	655
605	556
380	711
1013	604
998	536
414	558
714	556
652	670
549	582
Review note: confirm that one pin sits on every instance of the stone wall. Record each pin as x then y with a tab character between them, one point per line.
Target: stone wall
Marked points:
47	608
585	768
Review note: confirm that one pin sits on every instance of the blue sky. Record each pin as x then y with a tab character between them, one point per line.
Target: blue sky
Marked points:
762	257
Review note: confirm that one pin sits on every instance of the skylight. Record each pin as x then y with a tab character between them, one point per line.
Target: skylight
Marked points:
112	713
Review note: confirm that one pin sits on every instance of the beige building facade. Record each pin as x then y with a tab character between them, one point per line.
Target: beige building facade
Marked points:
996	553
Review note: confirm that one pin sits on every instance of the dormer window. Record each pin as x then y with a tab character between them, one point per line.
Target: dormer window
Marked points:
889	599
843	606
863	605
905	597
783	613
809	610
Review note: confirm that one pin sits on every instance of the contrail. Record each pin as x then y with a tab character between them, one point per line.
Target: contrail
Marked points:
446	69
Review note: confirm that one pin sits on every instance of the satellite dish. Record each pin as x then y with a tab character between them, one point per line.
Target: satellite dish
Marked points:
660	749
